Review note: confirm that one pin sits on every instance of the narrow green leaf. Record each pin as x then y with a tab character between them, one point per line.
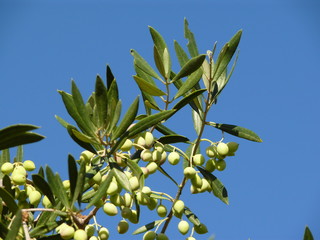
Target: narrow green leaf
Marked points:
168	139
15	226
3	230
149	122
218	188
237	131
115	117
226	54
121	177
159	61
307	234
101	190
181	54
80	183
9	200
164	130
19	155
191	217
81	143
83	137
188	98
57	187
113	98
127	120
192	46
6	182
101	101
44	228
16	129
167	175
147	227
191	81
147	87
191	66
151	105
144	65
109	76
81	109
43	186
197	122
159	197
73	175
62	121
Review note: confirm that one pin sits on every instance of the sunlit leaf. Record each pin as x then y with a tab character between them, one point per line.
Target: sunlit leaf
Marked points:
159	61
101	190
192	46
147	227
115	117
109	76
83	144
188	98
19	155
191	217
181	54
144	65
191	66
237	131
218	188
307	234
128	119
121	177
147	87
164	130
197	122
191	81
44	228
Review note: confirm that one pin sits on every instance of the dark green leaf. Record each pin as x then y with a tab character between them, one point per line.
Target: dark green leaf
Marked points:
9	200
167	175
164	130
57	187
110	76
218	188
181	54
147	87
80	183
191	81
81	109
15	226
6	182
147	227
101	101
128	119
73	175
115	117
226	54
18	134
191	66
83	144
307	234
3	230
101	190
143	65
149	122
168	139
188	98
158	61
83	137
113	98
43	186
192	46
19	155
121	177
237	131
191	217
151	105
44	228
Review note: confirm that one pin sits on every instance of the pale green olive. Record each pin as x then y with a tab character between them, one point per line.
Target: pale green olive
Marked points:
110	209
183	227
123	226
174	158
222	149
80	234
29	165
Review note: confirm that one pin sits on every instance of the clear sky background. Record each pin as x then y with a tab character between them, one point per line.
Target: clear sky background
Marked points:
273	186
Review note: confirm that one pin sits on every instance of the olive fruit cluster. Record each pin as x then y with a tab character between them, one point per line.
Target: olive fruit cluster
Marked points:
89	233
18	171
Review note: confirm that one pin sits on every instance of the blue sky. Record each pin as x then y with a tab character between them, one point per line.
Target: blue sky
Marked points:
273	186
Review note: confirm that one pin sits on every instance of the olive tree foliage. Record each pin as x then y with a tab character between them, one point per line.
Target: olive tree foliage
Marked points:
121	154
